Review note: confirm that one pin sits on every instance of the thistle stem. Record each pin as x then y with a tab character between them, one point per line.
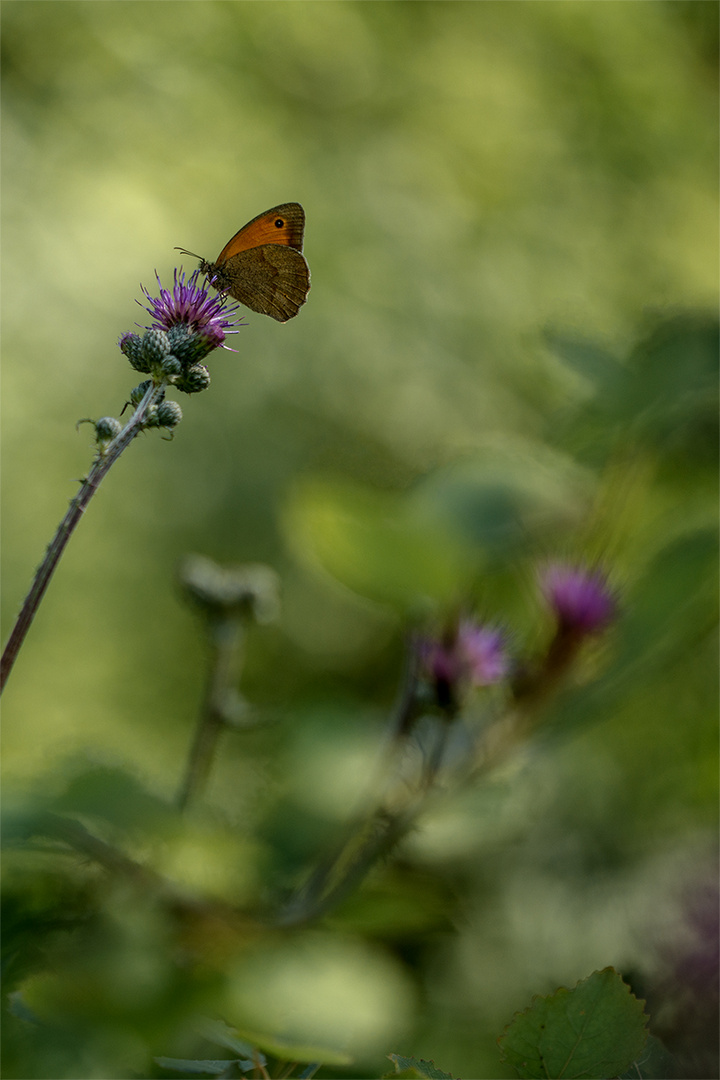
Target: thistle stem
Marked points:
373	833
67	526
223	677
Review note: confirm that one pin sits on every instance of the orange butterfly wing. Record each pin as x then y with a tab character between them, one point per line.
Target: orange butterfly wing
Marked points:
284	224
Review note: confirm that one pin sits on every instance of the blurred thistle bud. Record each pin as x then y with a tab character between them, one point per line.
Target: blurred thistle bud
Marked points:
155	346
195	379
169	414
251	591
580	599
469	654
131	345
583	605
171	366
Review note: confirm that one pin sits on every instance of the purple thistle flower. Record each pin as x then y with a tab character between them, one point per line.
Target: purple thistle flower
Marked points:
191	306
483	652
476	655
581	598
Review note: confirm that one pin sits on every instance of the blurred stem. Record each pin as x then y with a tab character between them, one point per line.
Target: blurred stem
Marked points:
101	466
407	708
342	872
434	759
74	834
371	835
344	869
224	672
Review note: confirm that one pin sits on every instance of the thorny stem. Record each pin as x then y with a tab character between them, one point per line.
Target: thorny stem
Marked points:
227	636
101	466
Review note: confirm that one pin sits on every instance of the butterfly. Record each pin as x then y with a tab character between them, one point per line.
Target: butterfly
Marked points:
263	265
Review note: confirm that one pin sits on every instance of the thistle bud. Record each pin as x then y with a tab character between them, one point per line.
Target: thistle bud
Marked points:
169	414
195	379
106	428
155	346
131	345
251	590
171	366
185	344
138	392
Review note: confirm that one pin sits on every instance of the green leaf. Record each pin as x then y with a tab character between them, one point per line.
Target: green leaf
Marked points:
287	1050
656	1062
17	1007
220	1033
411	1067
592	1032
184	1065
404	1074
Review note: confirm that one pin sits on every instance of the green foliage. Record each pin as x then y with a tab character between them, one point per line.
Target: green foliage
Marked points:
595	1030
205	1068
412	1067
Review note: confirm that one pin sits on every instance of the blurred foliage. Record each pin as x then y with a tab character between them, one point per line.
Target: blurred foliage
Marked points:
512	218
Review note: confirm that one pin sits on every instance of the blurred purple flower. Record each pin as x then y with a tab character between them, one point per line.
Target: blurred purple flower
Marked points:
190	305
580	598
476	654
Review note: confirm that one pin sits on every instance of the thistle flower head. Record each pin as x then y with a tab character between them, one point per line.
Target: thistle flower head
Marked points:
203	320
580	598
471	654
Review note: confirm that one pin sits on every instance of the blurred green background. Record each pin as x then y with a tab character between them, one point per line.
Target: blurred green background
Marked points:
508	353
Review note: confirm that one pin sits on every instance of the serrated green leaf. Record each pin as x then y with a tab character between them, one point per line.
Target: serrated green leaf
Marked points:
410	1066
591	1032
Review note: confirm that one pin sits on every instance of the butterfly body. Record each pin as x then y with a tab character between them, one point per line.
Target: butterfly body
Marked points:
262	266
